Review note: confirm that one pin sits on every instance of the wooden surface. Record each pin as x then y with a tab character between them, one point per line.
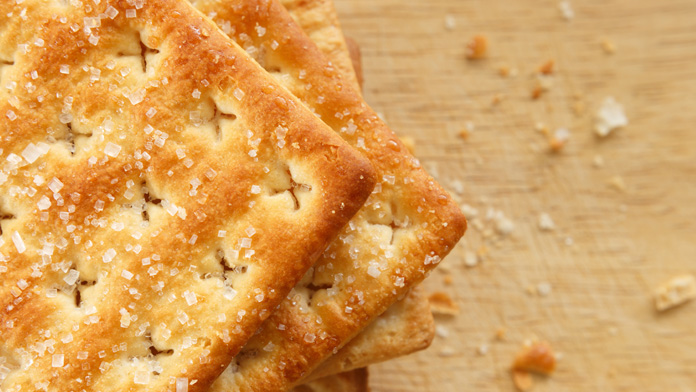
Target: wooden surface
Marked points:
599	314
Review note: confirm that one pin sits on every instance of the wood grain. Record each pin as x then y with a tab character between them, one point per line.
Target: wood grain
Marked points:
599	314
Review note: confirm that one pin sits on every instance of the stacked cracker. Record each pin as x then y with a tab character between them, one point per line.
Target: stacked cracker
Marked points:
170	170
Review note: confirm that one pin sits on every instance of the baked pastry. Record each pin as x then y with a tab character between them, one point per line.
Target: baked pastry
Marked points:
149	171
405	228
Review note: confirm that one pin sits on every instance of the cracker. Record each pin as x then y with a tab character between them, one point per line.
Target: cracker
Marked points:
406	327
352	381
149	171
404	230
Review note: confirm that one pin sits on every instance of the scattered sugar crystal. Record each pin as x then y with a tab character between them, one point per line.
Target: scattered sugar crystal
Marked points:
250	231
545	222
31	153
182	384
130	13
117	226
222	233
127	274
11	115
193	239
58	360
260	31
112	149
141	377
109	255
151	112
544	289
269	347
245	242
310	337
71	277
373	271
442	331
93	39
450	22
274	45
111	12
190	298
92	22
82	355
135	97
183	318
239	94
196	94
229	293
470	259
210	174
566	10
610	116
18	242
255	189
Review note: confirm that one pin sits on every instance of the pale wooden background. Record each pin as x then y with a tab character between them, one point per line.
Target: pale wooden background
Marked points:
599	315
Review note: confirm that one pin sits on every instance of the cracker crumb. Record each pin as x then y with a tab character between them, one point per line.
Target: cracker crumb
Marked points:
559	139
536	357
598	161
442	304
608	46
677	291
610	116
500	333
618	183
477	48
547	68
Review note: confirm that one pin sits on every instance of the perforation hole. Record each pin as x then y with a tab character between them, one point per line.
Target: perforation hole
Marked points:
79	287
5	216
209	116
147	55
292	189
151	201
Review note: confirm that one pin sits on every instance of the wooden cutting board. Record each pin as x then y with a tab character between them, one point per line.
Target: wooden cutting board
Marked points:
622	227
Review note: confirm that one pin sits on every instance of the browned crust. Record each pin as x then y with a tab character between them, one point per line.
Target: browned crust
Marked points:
406	327
194	50
319	21
352	381
303	335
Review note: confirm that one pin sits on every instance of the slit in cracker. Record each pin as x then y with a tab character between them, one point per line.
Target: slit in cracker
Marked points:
145	52
293	189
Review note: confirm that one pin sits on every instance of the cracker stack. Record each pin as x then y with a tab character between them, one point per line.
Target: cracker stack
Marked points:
195	197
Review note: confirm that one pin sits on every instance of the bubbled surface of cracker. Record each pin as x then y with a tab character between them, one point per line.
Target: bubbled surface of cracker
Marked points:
406	227
149	171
